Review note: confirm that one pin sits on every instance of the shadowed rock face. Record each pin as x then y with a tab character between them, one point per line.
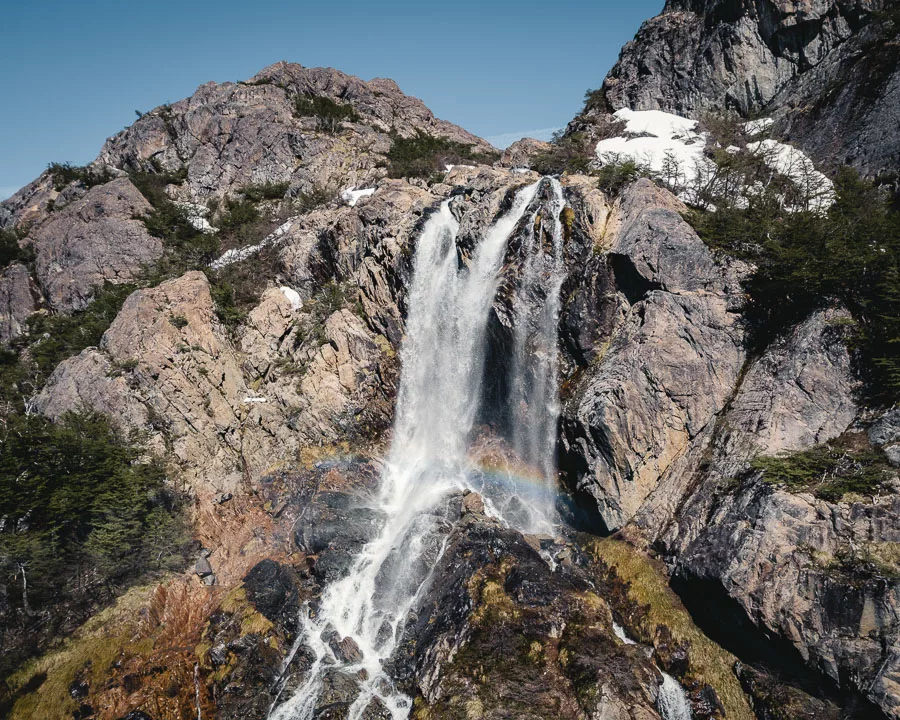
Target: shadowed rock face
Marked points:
826	71
19	297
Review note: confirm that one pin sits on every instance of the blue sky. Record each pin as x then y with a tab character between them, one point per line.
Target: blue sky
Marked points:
73	73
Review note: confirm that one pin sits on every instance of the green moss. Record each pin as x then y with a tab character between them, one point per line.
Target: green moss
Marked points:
648	588
829	471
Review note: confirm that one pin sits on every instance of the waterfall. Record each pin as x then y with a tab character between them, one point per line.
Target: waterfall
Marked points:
672	701
534	393
443	359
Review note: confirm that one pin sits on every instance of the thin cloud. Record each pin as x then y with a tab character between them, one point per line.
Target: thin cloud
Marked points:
504	140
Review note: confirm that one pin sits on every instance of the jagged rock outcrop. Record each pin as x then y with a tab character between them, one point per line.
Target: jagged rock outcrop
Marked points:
495	619
19	298
230	135
663	378
779	556
660	424
826	71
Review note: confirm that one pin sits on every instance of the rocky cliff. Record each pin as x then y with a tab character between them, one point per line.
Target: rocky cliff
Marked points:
257	355
825	71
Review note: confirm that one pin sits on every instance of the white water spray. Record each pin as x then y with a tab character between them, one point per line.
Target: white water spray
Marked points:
534	393
443	363
672	700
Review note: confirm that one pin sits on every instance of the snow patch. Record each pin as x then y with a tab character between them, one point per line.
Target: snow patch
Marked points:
351	195
655	139
234	255
292	296
197	217
797	165
755	127
250	400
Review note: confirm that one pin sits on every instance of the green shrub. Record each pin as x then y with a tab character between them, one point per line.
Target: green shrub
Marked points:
805	260
11	252
596	100
152	185
829	471
236	288
57	337
265	191
318	196
238	213
613	177
567	153
65	173
424	155
187	248
84	514
328	113
333	296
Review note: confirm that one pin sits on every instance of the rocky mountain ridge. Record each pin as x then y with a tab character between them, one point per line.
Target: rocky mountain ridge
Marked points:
825	71
277	421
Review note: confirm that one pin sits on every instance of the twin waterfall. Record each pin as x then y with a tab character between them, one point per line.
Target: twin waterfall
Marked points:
443	360
441	389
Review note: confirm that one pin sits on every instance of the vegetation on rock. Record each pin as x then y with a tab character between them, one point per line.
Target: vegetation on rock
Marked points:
653	614
424	155
328	114
805	260
65	173
829	471
567	153
83	513
11	251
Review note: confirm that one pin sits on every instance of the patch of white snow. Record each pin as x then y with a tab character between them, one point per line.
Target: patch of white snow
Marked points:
196	216
657	140
237	254
755	127
293	297
797	165
351	195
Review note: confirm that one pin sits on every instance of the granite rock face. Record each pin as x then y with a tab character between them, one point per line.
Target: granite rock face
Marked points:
826	71
19	297
670	361
232	135
95	239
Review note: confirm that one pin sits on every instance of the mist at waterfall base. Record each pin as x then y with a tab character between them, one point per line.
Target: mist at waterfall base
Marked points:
443	359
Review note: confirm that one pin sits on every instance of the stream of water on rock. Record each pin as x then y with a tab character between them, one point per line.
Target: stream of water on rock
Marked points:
359	619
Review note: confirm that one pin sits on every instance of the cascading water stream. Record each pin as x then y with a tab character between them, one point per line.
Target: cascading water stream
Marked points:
534	392
672	701
443	363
